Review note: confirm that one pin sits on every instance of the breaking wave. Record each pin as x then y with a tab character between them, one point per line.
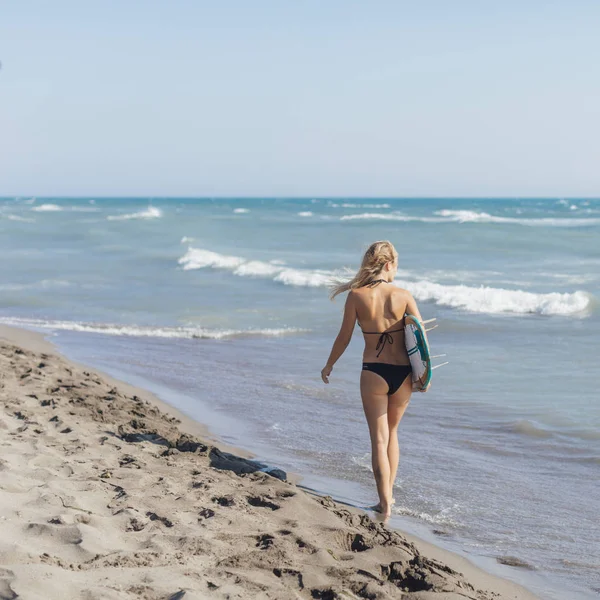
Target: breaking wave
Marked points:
352	205
492	300
150	213
196	258
469	216
390	217
18	218
47	208
482	299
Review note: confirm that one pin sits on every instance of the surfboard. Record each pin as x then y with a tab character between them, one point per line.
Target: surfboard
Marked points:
417	346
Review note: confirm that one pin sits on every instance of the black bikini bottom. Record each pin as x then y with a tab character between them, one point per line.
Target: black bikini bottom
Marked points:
394	375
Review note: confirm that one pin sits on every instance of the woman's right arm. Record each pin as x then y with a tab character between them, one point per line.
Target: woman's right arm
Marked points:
411	307
343	338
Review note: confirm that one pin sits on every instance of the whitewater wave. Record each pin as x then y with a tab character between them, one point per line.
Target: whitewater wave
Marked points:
241	211
18	218
197	258
150	213
305	213
443	517
492	300
352	205
154	332
47	208
482	299
469	216
390	217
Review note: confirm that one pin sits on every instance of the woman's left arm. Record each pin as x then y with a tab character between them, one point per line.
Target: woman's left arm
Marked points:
343	338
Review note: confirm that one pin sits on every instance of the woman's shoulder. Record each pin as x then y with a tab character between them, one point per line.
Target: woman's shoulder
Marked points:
399	292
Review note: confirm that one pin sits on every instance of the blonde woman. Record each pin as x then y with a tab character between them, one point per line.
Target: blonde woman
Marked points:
385	382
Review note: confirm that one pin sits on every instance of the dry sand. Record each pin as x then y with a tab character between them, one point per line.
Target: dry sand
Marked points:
104	494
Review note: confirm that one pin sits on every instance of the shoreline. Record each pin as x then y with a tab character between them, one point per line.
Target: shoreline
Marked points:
435	566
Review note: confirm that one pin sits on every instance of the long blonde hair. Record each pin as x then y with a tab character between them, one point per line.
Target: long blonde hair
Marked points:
376	257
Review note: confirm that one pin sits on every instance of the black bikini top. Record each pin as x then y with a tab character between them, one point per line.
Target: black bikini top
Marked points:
385	337
375	282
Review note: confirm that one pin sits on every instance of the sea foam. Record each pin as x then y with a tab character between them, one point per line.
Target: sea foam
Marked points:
47	208
18	218
482	299
492	300
469	216
197	258
393	216
150	213
353	205
142	331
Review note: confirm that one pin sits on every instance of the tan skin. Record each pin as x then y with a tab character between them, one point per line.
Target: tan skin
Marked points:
379	308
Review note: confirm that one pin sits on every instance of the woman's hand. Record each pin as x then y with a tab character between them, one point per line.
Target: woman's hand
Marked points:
325	373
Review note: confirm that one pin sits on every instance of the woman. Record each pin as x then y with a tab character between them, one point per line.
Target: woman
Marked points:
386	381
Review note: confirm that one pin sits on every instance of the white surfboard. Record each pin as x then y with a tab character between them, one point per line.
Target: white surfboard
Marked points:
417	346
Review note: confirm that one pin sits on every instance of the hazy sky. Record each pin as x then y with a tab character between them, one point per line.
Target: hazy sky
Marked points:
300	97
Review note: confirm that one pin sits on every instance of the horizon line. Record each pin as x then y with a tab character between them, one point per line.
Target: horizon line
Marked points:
309	197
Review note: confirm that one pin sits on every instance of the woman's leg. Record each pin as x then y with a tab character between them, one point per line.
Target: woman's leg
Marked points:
397	404
373	390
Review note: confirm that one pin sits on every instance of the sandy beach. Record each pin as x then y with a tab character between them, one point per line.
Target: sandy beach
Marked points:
106	493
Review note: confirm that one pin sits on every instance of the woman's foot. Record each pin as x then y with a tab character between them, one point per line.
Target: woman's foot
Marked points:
377	508
384	511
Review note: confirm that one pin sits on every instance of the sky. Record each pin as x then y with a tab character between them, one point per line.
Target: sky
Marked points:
300	98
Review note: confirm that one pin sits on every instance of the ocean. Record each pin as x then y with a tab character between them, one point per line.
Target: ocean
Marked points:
221	307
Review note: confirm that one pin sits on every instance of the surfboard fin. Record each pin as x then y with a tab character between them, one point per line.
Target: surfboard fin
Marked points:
429	321
432	328
441	365
438	356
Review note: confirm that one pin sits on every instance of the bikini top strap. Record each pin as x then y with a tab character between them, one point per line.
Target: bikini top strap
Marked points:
385	337
381	332
375	282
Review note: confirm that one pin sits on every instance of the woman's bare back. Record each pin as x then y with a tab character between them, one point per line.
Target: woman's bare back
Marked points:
381	309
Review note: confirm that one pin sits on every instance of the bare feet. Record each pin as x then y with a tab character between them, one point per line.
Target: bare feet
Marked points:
383	511
377	508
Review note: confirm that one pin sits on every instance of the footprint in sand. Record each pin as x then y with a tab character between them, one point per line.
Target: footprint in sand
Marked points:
305	546
135	525
290	575
224	500
154	517
6	578
206	513
356	542
66	534
263	502
264	541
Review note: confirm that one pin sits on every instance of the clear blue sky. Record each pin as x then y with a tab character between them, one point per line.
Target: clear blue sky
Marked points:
300	97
